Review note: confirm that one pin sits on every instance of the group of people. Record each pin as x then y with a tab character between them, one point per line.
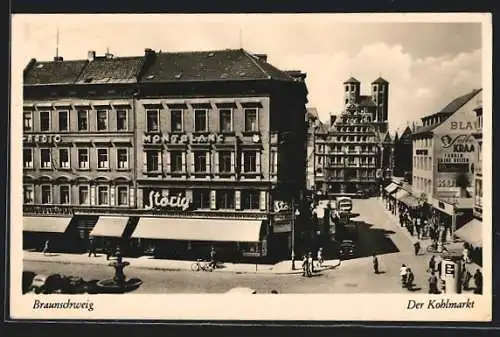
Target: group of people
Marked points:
308	262
434	270
407	277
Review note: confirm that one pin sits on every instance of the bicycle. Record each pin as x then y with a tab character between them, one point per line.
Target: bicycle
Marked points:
202	265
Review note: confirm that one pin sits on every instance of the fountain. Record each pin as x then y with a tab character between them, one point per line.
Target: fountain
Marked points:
118	284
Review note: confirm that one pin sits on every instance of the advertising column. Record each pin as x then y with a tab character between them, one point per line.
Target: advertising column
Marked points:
450	274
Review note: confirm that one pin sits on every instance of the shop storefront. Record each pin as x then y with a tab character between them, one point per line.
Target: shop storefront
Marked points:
451	216
38	229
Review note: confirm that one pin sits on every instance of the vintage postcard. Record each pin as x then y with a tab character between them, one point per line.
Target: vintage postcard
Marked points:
247	167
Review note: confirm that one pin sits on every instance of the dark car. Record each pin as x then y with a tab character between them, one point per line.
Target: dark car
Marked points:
347	249
46	284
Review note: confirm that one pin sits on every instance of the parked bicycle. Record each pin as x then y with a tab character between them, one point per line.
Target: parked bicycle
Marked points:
202	265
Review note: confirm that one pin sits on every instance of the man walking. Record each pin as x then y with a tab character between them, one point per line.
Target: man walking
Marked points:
478	282
409	279
403	273
432	264
213	255
416	246
92	247
46	247
433	284
375	264
320	257
305	268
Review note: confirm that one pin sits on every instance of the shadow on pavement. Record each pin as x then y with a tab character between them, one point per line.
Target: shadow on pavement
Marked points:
374	240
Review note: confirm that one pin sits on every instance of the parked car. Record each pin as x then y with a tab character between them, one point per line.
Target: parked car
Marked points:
347	249
46	284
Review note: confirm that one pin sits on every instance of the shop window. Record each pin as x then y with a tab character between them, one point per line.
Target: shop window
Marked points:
63	120
83	195
44	121
200	120
102	120
225	199
102	195
121	120
45	158
122	192
83	120
28	194
251	120
177	120
46	194
64	158
122	158
83	159
152	120
102	158
28	121
28	158
201	199
64	194
226	120
250	199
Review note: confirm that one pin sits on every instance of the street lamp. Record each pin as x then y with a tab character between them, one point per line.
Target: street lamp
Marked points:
295	212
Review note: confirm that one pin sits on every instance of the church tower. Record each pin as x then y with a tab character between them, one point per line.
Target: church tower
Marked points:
380	96
352	89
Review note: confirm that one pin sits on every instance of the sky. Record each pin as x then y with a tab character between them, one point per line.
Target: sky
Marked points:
426	63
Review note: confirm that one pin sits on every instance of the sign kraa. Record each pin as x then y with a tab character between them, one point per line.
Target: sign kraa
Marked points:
158	200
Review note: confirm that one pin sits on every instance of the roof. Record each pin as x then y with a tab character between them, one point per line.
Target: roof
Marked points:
387	138
380	80
448	110
54	72
366	100
112	70
312	113
352	80
218	65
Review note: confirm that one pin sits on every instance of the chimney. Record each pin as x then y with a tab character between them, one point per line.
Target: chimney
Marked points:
108	55
91	55
58	59
262	57
149	51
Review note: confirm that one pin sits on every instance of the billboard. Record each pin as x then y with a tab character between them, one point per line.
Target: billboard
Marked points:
455	156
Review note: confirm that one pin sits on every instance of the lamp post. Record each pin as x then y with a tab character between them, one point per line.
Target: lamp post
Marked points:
295	212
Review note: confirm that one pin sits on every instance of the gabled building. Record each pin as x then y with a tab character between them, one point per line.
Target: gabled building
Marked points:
403	157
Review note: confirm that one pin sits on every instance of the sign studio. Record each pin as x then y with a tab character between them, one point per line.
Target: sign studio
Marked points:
42	139
182	138
158	200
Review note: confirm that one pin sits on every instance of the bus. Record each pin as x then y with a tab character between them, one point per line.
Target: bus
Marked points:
344	204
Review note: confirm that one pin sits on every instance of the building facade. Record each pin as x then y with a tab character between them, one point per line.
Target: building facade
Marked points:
176	151
403	155
358	147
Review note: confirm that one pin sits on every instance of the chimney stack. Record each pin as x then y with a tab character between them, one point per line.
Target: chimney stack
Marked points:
91	55
262	57
58	59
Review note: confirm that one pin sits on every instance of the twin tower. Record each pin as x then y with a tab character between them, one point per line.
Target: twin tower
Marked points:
377	101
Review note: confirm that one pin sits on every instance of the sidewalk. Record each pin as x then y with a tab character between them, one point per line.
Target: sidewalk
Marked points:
148	262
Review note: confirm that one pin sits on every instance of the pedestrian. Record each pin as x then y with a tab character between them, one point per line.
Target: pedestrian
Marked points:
402	273
320	257
305	269
478	282
466	279
409	279
46	247
465	254
310	264
433	284
375	264
213	257
416	246
92	247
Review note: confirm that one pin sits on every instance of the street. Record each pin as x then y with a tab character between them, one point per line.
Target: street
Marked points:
378	234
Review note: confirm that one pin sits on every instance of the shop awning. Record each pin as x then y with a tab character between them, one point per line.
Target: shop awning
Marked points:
45	224
110	226
391	188
401	194
198	229
409	201
471	232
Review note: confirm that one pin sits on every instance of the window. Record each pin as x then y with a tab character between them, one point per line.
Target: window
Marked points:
83	118
83	195
200	161
346	88
44	120
121	120
64	194
102	120
251	199
102	195
177	122
201	199
122	158
152	122
176	161
225	161
46	194
83	158
28	121
225	199
251	120
153	161
28	194
63	120
122	192
64	158
274	162
249	162
226	120
45	158
28	158
200	120
102	159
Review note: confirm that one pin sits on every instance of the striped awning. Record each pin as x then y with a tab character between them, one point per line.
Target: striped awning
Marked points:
471	232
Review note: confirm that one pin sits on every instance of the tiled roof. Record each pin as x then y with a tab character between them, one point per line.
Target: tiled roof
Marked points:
351	80
449	110
366	100
112	70
60	72
380	80
220	65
